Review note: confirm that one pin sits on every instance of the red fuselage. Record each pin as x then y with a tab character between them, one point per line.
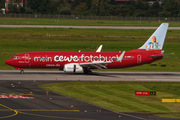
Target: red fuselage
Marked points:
59	59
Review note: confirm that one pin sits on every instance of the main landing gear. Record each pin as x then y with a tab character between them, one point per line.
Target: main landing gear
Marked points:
87	71
22	71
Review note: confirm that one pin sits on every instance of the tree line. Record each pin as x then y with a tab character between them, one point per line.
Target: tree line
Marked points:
167	8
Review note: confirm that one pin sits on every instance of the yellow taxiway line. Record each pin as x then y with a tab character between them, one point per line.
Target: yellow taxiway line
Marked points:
16	112
20	111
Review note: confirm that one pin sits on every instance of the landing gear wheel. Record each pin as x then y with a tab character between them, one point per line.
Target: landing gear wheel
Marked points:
87	71
22	71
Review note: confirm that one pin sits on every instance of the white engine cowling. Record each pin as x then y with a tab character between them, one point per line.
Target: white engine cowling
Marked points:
73	68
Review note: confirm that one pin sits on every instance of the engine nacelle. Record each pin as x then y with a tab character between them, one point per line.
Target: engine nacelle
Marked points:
73	68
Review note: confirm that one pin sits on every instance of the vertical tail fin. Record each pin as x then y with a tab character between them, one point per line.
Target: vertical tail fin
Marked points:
156	40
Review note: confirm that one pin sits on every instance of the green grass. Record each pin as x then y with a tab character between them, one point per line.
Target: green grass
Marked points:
120	96
79	22
19	40
168	115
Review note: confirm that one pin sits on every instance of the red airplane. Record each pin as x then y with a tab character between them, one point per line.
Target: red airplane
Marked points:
75	62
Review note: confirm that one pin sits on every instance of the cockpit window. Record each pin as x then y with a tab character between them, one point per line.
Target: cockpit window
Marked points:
15	57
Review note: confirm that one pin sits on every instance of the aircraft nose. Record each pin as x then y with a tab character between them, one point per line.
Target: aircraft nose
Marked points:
8	62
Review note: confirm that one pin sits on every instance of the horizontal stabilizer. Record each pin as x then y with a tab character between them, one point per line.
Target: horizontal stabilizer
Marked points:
161	55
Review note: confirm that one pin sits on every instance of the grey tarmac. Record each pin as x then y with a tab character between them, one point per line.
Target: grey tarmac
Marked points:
96	76
57	106
83	27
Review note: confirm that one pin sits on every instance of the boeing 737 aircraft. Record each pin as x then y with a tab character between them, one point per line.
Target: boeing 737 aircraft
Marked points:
75	62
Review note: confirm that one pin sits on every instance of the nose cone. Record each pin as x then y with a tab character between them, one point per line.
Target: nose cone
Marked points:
9	62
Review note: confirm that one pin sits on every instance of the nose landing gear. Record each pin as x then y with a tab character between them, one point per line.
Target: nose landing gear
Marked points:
22	71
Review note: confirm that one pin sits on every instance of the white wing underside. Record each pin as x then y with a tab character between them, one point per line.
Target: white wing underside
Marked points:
95	64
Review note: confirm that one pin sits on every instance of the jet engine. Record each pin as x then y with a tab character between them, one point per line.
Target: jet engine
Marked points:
73	68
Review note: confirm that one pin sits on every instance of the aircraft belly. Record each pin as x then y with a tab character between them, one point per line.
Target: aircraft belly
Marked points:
117	65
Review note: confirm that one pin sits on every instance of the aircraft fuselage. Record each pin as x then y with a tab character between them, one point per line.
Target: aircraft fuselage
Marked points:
59	59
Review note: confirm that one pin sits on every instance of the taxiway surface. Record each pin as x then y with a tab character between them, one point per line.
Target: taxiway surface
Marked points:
96	76
38	105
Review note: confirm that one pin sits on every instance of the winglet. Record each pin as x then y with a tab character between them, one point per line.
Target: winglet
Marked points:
99	49
119	59
156	40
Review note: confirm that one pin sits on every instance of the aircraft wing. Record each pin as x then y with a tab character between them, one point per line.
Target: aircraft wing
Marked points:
101	64
99	49
95	64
